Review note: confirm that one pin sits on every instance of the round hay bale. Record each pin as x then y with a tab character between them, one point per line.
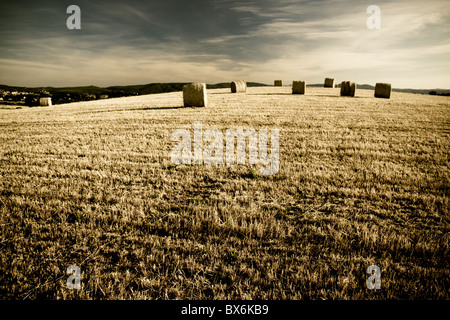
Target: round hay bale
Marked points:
238	86
45	101
298	87
194	95
383	90
348	89
329	83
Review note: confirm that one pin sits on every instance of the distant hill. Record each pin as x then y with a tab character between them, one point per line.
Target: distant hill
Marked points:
227	85
130	90
444	92
94	90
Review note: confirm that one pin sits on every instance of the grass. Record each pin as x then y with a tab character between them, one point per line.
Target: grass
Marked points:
362	182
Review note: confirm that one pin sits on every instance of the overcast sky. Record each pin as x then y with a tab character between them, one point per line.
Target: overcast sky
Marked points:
138	42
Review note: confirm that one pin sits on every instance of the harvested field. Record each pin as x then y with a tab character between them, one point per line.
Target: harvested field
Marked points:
362	181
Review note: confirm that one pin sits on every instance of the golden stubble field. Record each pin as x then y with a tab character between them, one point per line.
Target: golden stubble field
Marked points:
362	181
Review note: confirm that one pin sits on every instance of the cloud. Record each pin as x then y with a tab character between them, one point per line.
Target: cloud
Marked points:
215	41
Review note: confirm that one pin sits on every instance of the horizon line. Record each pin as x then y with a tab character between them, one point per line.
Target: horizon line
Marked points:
217	83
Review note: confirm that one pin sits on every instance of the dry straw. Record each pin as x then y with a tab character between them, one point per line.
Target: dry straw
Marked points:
238	86
383	90
348	89
298	87
194	95
46	101
329	83
278	83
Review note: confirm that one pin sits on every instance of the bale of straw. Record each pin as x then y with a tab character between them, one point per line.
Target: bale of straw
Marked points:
383	90
329	83
278	83
298	87
194	95
45	101
348	89
238	86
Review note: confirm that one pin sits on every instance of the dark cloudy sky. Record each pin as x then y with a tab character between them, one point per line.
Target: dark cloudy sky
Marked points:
136	42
